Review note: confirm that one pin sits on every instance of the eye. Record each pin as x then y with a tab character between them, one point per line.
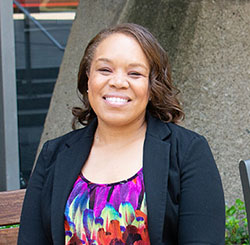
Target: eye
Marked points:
105	70
135	74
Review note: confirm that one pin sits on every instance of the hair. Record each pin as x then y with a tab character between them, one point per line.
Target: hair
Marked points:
163	103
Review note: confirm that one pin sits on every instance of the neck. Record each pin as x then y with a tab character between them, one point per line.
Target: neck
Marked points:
116	135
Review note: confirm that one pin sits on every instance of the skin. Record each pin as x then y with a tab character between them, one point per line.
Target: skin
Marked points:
118	91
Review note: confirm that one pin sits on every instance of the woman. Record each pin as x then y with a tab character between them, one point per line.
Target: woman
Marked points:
132	175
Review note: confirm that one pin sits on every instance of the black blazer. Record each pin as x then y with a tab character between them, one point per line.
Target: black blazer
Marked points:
184	194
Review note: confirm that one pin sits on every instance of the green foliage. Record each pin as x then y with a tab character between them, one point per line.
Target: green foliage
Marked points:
8	226
236	224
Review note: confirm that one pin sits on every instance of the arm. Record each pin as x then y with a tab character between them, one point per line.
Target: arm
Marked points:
31	228
202	207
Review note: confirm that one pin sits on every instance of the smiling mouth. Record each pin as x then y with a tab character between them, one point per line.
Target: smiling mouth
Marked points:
117	100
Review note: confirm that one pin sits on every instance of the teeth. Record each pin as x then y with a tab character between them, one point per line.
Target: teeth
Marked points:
116	100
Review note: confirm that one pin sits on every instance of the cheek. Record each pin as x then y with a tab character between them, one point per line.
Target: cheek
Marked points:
95	88
91	91
143	90
92	85
96	82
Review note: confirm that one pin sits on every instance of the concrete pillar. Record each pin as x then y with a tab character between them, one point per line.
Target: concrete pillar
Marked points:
9	158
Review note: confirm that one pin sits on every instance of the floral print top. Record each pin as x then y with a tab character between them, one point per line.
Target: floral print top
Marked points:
107	213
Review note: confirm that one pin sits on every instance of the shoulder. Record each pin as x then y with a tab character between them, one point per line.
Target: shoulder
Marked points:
180	133
72	137
182	141
187	144
177	136
192	150
68	137
51	148
169	131
60	141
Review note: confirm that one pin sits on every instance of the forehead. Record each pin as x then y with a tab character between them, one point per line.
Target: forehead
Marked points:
119	44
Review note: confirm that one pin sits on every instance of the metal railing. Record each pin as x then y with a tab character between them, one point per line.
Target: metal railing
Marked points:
46	33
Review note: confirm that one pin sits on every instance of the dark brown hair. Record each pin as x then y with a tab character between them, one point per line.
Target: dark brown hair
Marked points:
163	102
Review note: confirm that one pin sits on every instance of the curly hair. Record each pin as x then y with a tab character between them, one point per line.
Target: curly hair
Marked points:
163	103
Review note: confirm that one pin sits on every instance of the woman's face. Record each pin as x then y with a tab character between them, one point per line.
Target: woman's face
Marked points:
118	85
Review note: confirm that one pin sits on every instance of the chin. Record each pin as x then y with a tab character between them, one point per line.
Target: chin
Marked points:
116	121
120	119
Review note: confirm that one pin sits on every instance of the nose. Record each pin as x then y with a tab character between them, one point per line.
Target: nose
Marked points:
119	80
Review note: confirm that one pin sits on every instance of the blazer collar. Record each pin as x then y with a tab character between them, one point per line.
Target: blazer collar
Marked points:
156	159
68	166
156	128
155	170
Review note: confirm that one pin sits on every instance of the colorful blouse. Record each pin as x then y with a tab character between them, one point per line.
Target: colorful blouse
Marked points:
107	213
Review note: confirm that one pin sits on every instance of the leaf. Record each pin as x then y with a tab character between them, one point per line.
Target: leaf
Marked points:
236	224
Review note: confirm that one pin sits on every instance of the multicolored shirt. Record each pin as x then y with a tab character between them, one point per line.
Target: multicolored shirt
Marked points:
107	213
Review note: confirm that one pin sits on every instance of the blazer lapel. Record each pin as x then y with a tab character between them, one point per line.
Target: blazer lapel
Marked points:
156	159
68	166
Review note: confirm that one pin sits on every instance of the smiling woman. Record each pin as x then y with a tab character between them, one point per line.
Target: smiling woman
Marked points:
132	175
118	81
163	103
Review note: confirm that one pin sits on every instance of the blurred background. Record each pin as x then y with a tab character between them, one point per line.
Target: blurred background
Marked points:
41	29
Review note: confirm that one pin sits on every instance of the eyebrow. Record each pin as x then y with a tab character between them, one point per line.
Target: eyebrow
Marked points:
138	64
130	65
104	59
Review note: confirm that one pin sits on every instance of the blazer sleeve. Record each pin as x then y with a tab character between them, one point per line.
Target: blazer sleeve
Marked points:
202	207
31	228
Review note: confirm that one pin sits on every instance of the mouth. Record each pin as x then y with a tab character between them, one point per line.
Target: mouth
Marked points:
114	100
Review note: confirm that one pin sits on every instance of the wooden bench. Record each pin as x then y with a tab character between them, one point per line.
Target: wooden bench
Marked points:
10	210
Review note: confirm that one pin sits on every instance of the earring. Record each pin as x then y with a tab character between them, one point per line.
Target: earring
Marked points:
87	91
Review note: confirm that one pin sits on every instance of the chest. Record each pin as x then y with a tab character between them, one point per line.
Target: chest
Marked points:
113	163
107	213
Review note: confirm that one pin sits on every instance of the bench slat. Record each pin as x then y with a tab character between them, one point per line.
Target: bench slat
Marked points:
10	206
8	236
